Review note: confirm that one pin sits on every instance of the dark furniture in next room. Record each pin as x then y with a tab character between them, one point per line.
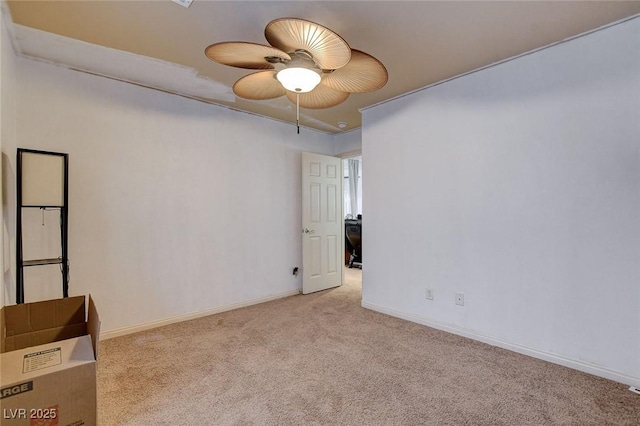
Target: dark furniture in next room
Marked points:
353	240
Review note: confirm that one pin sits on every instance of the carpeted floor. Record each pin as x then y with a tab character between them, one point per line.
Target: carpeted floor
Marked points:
322	359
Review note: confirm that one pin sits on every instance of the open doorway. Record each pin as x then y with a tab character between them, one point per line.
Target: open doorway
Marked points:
352	192
352	207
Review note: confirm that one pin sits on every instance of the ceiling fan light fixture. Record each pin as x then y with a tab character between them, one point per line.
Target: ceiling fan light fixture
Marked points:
298	79
308	63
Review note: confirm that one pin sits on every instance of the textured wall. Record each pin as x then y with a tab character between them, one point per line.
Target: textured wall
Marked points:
176	206
517	185
7	140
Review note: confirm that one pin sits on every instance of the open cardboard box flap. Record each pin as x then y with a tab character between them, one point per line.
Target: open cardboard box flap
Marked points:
38	323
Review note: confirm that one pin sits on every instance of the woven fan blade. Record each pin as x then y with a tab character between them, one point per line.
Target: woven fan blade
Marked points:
363	73
259	86
241	54
328	49
318	98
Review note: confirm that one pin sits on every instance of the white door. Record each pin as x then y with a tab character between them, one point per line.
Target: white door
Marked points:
322	224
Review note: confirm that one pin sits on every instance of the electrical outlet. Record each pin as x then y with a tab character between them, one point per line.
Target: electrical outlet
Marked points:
460	299
429	294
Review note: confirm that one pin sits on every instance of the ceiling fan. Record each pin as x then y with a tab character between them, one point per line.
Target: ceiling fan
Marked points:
310	64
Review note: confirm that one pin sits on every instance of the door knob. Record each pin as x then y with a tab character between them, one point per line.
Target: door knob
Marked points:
308	231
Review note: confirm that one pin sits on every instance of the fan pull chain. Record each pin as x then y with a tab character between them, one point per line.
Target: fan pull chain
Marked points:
298	111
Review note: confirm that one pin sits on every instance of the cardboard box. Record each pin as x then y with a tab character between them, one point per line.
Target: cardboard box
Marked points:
48	360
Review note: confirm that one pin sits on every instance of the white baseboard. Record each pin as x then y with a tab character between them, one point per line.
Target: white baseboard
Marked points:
193	315
546	356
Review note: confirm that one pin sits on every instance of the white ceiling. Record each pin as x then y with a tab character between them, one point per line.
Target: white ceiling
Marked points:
160	44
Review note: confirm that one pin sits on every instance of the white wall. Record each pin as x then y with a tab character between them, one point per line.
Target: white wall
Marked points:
522	188
176	206
7	140
347	142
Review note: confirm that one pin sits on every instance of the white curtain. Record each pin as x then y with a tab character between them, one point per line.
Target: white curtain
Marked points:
354	176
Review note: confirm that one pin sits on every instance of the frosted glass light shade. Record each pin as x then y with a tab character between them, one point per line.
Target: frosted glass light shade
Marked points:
299	80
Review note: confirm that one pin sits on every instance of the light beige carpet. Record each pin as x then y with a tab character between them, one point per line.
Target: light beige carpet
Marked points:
322	359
